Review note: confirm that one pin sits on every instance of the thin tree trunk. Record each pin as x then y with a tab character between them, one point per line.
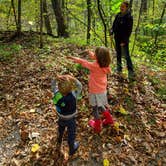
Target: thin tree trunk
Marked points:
137	27
89	21
104	24
83	23
61	26
19	18
144	6
46	18
8	15
153	8
161	19
131	4
41	23
14	11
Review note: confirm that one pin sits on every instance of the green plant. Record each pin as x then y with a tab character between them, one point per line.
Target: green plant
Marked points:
7	51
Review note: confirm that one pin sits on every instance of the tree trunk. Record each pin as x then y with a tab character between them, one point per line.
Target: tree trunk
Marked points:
41	23
61	26
89	20
144	6
102	18
8	15
14	11
137	27
46	18
161	19
19	18
131	4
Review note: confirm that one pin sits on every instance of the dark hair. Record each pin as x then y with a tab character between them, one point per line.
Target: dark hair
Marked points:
103	56
126	3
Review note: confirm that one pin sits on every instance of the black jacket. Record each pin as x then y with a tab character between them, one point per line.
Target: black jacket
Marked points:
67	104
122	27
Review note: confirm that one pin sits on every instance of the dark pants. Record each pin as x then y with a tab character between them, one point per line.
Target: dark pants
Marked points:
71	130
97	111
123	50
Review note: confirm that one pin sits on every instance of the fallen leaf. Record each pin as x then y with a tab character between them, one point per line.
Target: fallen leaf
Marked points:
123	111
106	162
35	148
32	110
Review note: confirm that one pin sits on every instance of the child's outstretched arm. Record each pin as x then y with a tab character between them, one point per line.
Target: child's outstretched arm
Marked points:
54	87
92	55
81	61
78	89
88	52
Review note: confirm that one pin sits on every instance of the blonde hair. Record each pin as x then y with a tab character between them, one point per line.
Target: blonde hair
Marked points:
66	84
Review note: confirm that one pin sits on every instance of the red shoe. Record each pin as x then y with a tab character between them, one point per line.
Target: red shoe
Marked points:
107	118
96	125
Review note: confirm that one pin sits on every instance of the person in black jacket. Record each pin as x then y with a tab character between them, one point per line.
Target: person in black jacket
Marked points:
122	28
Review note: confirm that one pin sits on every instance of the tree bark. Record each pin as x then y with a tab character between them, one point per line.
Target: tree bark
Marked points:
14	11
89	21
61	26
144	6
46	18
131	4
161	19
104	24
19	19
137	27
41	23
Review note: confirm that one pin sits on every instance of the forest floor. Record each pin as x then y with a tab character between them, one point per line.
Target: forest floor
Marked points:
28	120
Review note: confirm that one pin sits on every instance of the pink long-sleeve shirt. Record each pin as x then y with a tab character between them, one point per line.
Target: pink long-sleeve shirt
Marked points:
98	76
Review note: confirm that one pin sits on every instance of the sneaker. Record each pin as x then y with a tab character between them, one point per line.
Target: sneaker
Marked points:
73	148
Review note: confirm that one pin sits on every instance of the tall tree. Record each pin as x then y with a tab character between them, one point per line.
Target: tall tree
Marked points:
61	26
41	23
131	4
137	26
19	18
89	20
144	5
14	11
161	19
100	10
46	18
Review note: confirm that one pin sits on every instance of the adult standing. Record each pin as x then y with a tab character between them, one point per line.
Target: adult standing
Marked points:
122	28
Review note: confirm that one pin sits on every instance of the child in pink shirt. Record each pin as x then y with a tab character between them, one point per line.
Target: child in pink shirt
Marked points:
97	84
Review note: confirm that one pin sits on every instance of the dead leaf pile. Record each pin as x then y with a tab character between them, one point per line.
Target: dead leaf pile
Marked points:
28	120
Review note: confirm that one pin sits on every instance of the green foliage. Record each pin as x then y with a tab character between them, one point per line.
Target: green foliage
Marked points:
75	39
7	51
115	5
78	67
159	86
150	29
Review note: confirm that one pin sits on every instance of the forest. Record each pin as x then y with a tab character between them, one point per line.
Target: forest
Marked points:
36	37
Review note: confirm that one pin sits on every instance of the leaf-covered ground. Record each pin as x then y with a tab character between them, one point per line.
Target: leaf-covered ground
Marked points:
28	117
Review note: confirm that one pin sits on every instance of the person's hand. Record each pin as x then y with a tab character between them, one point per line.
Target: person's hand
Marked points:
70	57
91	54
122	44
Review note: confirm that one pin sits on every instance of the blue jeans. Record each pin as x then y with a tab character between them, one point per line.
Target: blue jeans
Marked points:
123	50
71	130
